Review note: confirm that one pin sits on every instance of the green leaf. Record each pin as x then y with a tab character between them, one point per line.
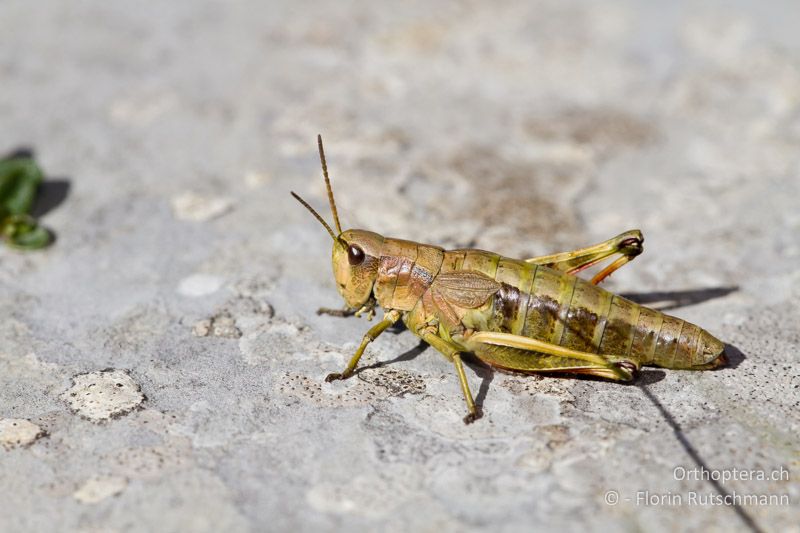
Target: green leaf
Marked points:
22	232
20	177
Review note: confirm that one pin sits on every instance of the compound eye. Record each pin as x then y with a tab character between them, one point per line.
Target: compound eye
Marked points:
355	255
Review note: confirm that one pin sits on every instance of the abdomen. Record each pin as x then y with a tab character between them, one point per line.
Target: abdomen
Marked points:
542	303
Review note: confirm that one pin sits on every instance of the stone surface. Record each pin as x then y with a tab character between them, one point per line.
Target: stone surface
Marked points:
101	396
178	129
196	208
15	432
98	489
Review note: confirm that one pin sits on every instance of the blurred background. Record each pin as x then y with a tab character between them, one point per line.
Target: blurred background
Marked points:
171	134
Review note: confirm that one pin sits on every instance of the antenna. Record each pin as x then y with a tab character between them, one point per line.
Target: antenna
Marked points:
316	215
328	185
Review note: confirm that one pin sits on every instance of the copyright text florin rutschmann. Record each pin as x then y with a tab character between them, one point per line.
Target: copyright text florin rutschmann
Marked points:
649	498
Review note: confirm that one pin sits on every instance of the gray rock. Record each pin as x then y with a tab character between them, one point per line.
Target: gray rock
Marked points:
520	128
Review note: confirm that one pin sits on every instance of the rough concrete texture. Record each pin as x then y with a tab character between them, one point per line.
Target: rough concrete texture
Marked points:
184	269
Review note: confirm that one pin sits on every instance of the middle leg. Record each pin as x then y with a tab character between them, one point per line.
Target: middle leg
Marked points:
453	353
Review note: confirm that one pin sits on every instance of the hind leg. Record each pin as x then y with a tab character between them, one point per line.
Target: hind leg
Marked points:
524	354
627	245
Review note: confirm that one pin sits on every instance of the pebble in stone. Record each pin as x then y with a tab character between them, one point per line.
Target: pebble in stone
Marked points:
222	325
200	285
197	208
16	432
202	328
254	179
99	488
100	396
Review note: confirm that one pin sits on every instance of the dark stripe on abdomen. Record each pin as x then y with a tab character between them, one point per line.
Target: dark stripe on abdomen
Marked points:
586	317
511	301
507	305
548	304
620	327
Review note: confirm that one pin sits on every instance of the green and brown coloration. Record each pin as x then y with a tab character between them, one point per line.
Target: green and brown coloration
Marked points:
533	316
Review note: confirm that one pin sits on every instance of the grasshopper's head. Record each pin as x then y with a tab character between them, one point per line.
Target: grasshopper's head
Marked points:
356	253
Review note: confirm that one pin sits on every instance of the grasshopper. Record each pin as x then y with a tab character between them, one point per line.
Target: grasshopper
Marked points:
531	316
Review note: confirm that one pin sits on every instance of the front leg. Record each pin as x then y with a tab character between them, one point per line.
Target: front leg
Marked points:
343	313
388	319
368	309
